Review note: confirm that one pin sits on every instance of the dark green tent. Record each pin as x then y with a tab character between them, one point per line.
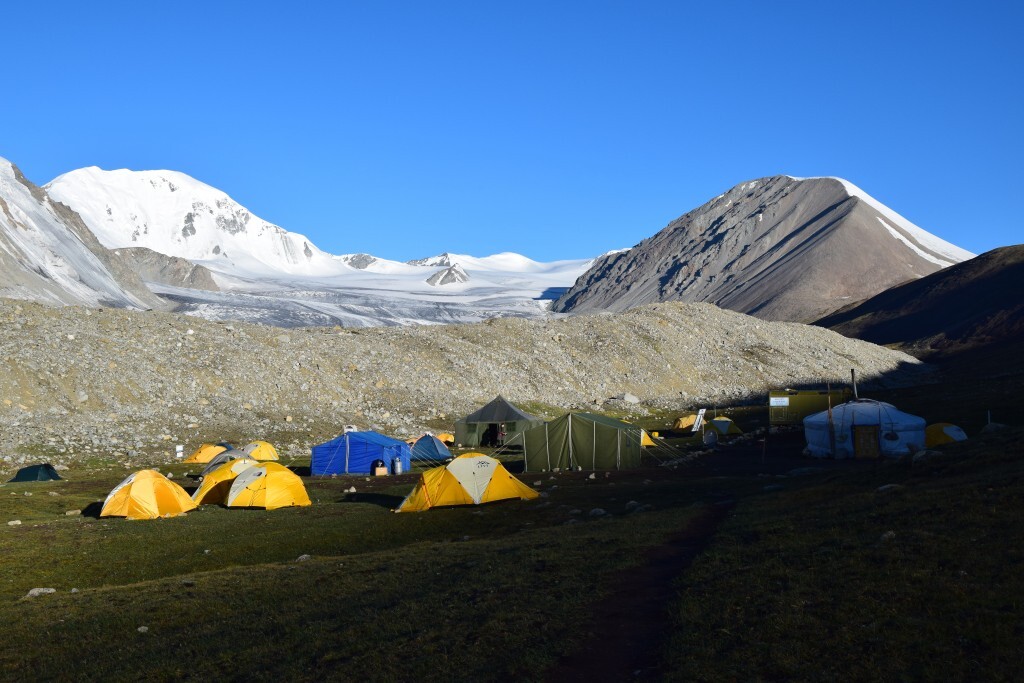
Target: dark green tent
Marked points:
43	472
582	441
499	423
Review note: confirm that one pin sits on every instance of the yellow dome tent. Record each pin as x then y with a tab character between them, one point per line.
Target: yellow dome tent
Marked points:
226	456
217	482
721	424
261	450
446	438
205	453
942	432
267	485
146	494
470	479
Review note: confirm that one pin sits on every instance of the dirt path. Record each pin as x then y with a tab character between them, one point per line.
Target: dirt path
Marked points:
630	623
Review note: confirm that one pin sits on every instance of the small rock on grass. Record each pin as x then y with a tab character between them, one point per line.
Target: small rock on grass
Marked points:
143	629
303	558
598	512
889	488
36	592
888	536
14	522
73	513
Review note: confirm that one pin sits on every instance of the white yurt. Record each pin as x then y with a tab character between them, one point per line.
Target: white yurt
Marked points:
864	428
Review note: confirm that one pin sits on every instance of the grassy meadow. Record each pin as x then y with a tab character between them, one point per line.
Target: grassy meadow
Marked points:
746	564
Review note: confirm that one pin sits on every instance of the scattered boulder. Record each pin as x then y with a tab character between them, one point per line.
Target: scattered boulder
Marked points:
36	592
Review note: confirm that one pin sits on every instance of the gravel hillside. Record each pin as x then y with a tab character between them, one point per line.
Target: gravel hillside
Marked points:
78	383
778	248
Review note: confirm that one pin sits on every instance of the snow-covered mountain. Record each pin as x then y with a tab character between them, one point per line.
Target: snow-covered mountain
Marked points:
47	254
175	214
780	248
267	274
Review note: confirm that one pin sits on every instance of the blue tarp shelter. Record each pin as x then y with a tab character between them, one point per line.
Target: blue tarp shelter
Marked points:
429	447
355	452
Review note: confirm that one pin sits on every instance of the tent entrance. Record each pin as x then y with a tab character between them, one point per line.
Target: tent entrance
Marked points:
865	441
493	435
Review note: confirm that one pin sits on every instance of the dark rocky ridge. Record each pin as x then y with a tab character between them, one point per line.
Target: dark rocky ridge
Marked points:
971	305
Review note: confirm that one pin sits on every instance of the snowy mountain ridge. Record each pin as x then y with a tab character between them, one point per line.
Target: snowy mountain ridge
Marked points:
268	274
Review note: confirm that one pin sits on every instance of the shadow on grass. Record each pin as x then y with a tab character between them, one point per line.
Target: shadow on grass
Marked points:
93	510
381	499
302	471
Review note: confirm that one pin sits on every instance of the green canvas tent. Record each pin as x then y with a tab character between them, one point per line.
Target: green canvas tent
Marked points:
44	472
499	423
582	441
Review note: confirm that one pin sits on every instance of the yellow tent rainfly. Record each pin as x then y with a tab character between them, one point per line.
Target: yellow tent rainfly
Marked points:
205	453
267	485
942	433
261	450
470	479
146	494
217	482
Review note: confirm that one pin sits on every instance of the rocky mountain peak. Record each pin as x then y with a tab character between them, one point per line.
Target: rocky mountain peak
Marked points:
780	248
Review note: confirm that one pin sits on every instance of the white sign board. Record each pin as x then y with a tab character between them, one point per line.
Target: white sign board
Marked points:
699	421
775	401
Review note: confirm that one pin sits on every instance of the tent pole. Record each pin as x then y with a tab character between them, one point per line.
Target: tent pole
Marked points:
618	449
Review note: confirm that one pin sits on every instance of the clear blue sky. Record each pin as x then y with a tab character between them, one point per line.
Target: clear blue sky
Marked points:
554	129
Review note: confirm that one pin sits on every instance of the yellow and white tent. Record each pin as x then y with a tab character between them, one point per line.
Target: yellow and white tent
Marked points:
470	479
942	432
146	494
261	450
205	453
267	485
226	456
645	439
721	424
217	482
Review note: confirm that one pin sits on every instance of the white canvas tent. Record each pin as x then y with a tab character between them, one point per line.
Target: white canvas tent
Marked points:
863	428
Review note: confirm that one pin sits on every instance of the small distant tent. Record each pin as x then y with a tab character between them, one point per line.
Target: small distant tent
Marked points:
261	450
499	423
942	433
226	456
146	494
269	486
582	441
355	453
216	483
44	472
721	425
446	438
430	448
645	439
470	479
863	429
206	453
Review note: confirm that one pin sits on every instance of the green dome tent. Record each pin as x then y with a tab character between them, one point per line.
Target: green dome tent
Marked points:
44	472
